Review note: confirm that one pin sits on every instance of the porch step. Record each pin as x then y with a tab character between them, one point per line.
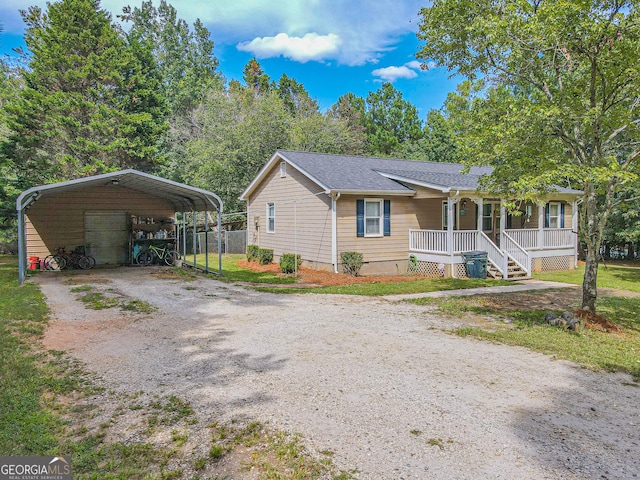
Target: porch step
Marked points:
514	270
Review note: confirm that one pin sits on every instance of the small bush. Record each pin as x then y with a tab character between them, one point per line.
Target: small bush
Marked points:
289	262
252	253
265	256
351	262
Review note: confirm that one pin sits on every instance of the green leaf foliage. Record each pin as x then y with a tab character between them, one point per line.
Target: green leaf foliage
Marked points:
557	104
89	103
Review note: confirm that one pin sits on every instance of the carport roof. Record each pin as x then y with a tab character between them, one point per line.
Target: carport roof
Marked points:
183	197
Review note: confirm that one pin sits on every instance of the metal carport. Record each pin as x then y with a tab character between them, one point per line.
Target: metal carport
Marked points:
182	198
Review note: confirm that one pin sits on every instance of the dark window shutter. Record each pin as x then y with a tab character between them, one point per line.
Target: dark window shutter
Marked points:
387	218
360	218
547	213
509	221
562	215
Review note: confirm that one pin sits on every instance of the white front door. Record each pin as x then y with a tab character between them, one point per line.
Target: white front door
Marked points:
491	220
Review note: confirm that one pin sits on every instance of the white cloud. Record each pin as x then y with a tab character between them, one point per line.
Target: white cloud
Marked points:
301	49
366	28
391	74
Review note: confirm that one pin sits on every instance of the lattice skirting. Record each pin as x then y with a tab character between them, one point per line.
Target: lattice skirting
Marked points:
461	270
427	269
548	264
436	270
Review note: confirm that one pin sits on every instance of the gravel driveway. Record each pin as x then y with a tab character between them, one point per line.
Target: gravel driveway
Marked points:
381	384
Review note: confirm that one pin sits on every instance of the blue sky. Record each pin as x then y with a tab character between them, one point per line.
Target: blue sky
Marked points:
331	46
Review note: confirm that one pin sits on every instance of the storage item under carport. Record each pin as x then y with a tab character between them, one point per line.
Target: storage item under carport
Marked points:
476	262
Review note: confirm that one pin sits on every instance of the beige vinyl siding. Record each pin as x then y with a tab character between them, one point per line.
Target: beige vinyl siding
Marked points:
379	249
58	220
309	233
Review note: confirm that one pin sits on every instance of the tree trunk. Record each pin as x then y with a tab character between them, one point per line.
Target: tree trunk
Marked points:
589	288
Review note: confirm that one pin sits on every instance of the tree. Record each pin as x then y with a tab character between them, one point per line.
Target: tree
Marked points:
295	96
390	120
561	100
185	59
89	102
438	144
255	79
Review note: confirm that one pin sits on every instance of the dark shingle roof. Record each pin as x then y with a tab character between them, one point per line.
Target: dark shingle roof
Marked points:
351	173
347	173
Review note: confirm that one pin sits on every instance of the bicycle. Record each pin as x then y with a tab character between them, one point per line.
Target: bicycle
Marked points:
77	258
161	254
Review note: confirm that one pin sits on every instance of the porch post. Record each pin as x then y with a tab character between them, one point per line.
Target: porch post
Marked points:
480	212
450	221
540	225
574	229
503	226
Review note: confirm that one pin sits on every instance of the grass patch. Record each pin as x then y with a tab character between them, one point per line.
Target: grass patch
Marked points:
138	306
81	288
98	301
524	327
394	288
611	276
231	272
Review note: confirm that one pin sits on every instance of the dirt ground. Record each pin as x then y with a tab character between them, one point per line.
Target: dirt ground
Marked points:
382	386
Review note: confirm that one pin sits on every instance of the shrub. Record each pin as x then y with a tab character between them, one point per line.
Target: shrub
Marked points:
265	256
252	253
289	262
351	262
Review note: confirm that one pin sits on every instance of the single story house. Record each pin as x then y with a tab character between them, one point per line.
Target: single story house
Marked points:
401	215
107	214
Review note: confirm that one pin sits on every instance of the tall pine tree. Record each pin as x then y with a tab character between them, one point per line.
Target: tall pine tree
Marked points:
90	102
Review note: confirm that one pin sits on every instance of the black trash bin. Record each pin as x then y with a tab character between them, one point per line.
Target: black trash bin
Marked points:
476	262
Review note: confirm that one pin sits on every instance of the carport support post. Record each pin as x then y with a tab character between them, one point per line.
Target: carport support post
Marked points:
220	240
195	236
184	235
22	248
206	241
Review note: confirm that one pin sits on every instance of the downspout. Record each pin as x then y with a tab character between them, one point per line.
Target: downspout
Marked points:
334	230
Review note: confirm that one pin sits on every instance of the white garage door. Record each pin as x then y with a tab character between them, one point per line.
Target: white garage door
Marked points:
106	236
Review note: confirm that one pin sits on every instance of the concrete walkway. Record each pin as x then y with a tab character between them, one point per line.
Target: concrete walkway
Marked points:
523	286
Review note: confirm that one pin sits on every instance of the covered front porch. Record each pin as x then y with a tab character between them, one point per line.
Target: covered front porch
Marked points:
544	238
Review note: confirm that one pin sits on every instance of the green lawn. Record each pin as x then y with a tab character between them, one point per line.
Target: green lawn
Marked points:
393	288
610	276
592	349
231	272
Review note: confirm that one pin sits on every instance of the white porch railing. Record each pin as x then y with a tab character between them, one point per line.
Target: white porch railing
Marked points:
496	256
464	240
428	241
517	253
529	238
562	237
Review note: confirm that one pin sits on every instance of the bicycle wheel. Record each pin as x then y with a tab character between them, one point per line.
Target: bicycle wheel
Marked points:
47	261
170	257
57	262
85	262
144	258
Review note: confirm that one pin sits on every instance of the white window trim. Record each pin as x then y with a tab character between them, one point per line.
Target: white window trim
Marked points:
283	169
269	216
557	217
380	217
